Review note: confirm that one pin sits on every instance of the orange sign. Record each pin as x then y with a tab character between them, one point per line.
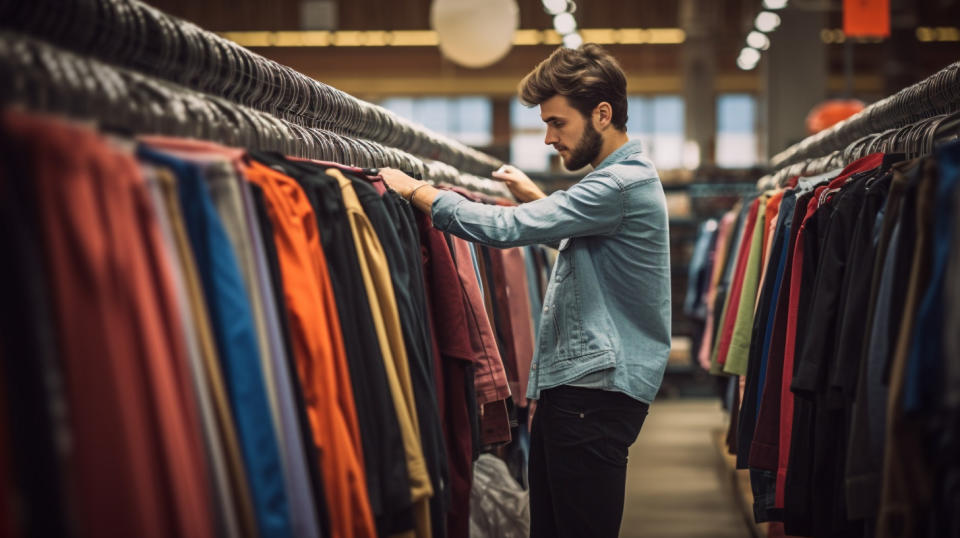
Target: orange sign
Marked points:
830	112
866	18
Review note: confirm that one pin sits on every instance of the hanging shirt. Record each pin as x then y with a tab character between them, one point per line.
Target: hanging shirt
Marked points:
422	348
865	449
29	459
491	378
120	343
232	320
160	180
230	193
762	328
513	302
375	272
926	364
719	261
383	454
377	204
725	284
318	348
800	280
908	475
731	308
737	353
456	370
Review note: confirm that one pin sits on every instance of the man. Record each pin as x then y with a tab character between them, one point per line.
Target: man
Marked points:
605	331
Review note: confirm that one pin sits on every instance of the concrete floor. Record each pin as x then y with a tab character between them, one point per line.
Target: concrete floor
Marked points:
675	486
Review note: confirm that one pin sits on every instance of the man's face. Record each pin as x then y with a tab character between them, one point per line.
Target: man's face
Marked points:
571	134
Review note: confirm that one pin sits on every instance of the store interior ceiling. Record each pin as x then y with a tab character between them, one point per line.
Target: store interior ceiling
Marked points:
880	67
378	50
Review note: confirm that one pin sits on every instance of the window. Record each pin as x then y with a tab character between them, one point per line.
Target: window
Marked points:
736	131
658	123
467	119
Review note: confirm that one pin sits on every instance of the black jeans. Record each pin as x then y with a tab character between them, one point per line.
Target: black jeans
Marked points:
579	441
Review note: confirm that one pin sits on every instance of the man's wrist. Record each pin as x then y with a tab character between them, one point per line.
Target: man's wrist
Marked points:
413	192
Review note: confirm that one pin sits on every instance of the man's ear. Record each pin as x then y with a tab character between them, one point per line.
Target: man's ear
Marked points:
603	115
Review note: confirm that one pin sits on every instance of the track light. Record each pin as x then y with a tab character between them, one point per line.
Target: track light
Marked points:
572	41
564	24
767	21
555	7
758	40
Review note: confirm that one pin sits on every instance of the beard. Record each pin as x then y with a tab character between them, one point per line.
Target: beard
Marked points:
586	150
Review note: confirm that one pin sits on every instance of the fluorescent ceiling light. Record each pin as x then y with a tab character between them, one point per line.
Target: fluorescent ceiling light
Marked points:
758	40
774	4
564	24
572	41
767	21
746	66
750	55
555	7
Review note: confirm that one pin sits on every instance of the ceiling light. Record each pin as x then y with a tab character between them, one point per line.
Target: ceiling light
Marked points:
774	4
746	66
767	21
564	24
749	55
572	41
758	40
555	7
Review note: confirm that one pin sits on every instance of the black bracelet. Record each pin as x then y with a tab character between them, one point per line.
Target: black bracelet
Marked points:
414	191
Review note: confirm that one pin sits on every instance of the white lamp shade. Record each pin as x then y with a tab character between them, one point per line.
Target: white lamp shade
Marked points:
475	33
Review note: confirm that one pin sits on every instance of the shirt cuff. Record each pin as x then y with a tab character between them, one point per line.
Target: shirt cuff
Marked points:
442	210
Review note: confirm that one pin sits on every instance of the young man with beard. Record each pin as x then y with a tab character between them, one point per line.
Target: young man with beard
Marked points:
605	331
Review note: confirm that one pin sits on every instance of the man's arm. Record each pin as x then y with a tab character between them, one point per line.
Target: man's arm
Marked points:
593	206
521	186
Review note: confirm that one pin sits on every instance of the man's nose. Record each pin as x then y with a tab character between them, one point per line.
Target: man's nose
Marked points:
550	138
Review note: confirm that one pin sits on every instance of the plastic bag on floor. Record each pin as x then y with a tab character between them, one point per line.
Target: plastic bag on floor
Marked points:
499	507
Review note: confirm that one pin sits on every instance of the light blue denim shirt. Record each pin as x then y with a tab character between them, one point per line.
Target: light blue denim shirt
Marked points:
606	313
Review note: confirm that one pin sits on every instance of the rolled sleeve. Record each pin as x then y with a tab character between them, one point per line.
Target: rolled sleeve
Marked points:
594	206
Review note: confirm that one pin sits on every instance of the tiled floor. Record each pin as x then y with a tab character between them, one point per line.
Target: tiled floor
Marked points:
675	487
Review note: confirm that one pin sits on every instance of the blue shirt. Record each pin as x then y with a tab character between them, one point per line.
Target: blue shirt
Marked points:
606	314
231	318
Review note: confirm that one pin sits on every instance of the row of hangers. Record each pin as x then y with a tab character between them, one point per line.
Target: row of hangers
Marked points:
913	140
135	35
934	96
43	77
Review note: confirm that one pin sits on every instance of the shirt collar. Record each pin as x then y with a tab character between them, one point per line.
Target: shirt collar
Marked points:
621	153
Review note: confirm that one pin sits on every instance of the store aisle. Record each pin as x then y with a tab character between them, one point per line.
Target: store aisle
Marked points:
674	484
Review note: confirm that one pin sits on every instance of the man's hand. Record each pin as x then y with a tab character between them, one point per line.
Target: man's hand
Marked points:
521	186
419	193
400	182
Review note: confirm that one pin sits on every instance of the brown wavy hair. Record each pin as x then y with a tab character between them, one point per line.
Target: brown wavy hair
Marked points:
586	76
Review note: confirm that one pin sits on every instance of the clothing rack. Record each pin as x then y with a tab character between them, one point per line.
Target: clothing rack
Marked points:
43	77
133	35
936	95
914	140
